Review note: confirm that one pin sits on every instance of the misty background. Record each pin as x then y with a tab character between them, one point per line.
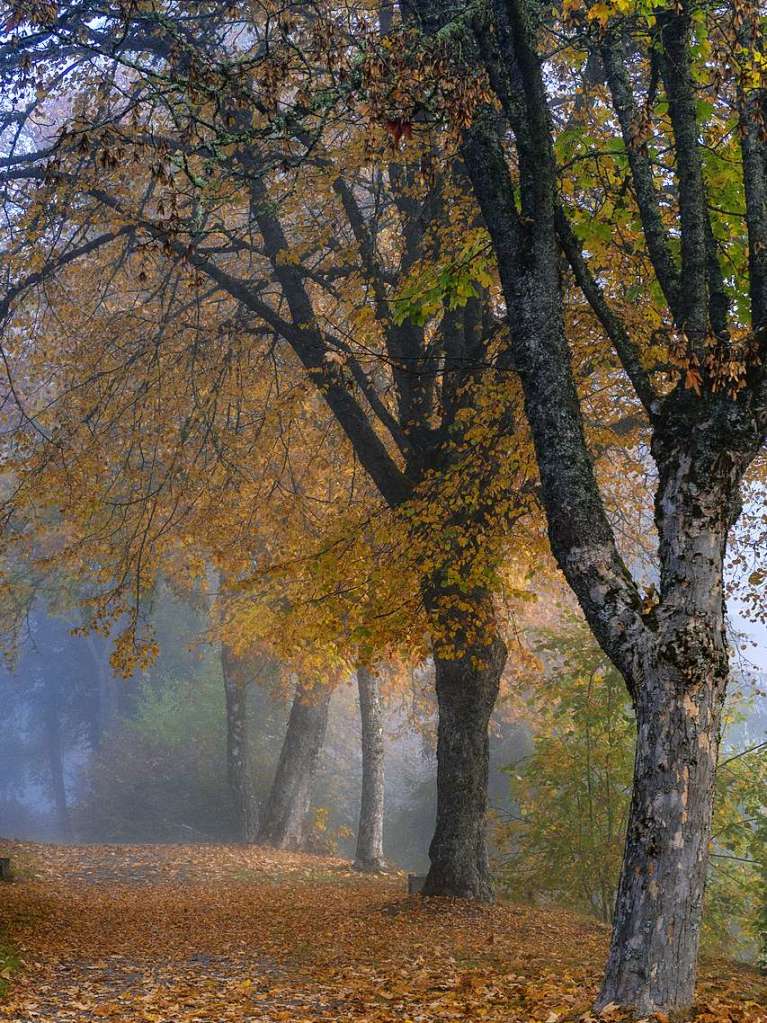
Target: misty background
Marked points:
86	756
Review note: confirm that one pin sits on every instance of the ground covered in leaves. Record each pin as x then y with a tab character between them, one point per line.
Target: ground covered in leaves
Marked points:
176	934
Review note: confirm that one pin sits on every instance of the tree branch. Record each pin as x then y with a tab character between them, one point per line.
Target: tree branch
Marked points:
615	330
656	237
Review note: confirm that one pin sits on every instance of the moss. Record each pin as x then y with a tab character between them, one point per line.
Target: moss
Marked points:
9	963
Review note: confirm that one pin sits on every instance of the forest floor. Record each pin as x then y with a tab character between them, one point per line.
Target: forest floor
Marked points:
209	934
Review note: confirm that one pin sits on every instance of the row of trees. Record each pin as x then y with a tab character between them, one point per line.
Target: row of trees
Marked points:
150	758
507	259
68	718
146	760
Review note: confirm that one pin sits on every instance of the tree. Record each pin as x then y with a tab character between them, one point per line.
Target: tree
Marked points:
286	811
208	221
51	695
239	762
369	855
161	774
54	750
703	395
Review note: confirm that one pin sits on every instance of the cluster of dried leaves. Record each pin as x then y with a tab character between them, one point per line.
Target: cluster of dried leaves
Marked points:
189	933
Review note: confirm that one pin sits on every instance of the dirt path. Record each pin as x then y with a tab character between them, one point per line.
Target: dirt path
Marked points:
209	934
153	933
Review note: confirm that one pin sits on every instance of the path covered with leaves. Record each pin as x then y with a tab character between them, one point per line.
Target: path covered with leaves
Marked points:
175	934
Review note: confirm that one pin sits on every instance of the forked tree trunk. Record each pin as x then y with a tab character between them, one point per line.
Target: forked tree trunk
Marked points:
284	821
680	686
370	855
238	745
467	687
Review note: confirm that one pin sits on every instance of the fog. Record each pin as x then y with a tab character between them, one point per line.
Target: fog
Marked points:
86	756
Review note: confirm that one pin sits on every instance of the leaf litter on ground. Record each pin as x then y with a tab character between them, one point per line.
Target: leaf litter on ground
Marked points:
210	934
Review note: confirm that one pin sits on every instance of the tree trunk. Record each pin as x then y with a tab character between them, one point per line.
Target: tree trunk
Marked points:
53	743
238	750
469	659
370	856
762	959
656	926
679	692
105	702
284	822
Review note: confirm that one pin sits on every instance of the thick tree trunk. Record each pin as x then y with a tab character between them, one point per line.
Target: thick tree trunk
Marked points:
469	660
370	855
284	822
679	691
238	750
673	656
653	958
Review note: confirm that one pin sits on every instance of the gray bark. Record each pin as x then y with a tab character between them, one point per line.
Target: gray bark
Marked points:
654	950
285	815
370	855
467	687
466	695
673	656
679	694
238	745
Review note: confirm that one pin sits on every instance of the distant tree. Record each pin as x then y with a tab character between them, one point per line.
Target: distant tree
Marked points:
161	776
238	678
285	817
369	855
52	695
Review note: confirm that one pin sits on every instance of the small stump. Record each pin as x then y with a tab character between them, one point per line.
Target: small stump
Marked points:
415	883
5	869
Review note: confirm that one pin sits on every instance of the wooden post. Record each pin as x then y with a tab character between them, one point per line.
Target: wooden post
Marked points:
5	869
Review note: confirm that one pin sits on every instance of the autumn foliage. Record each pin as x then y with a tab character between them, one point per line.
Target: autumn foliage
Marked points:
358	320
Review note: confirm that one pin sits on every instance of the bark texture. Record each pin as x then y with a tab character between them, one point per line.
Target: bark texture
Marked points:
284	820
654	949
467	687
680	691
370	855
466	694
238	744
671	650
